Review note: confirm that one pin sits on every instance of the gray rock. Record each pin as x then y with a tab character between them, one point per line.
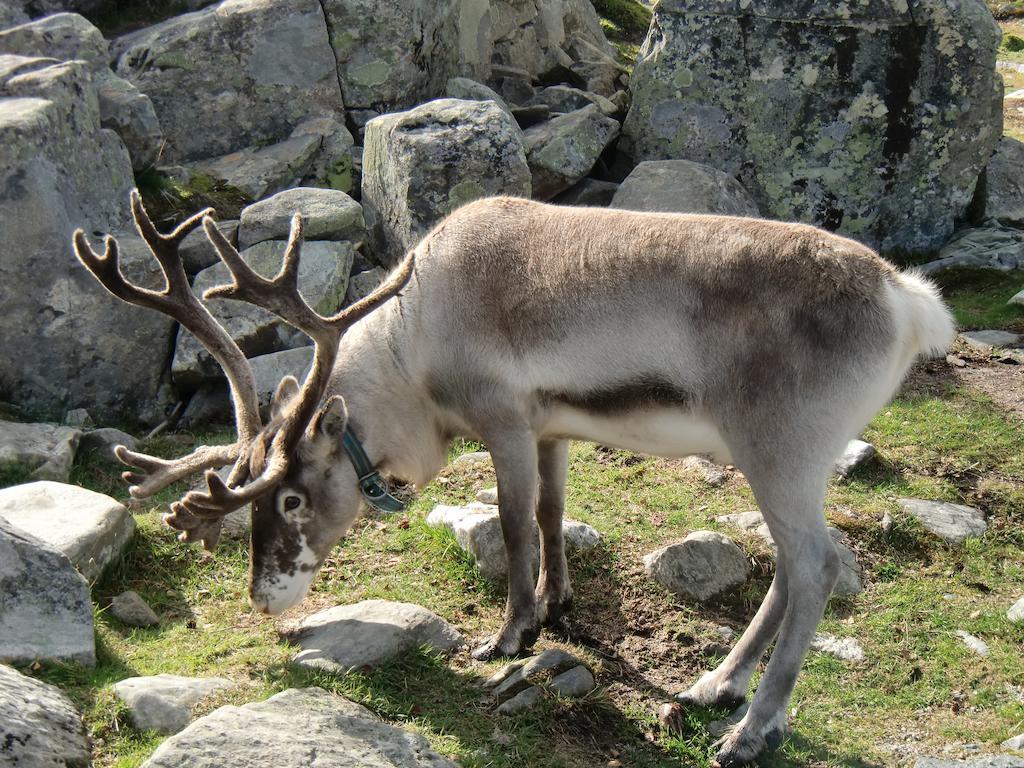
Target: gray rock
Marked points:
291	729
986	341
78	418
130	113
61	170
1016	611
564	150
48	450
1017	298
989	246
47	613
987	761
955	523
856	455
328	214
523	700
758	90
1004	188
11	15
564	99
369	633
748	521
362	284
197	252
488	495
264	170
129	608
713	474
163	703
580	536
334	164
845	648
470	90
473	460
595	68
234	75
541	669
703	565
101	443
679	186
588	192
1017	742
574	683
323	280
976	644
420	165
90	529
39	726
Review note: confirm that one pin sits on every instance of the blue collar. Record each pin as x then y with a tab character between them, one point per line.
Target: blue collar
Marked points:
374	488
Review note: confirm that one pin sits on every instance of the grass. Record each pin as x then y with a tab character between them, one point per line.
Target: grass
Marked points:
625	24
122	16
978	298
169	200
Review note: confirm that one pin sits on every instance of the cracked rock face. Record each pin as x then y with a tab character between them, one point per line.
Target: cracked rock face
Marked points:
39	727
827	114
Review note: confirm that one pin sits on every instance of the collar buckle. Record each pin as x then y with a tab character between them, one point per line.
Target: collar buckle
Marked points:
372	486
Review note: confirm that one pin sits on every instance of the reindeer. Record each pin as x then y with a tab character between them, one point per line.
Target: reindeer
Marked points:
525	326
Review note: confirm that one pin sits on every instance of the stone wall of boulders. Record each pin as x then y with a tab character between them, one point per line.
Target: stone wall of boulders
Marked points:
376	120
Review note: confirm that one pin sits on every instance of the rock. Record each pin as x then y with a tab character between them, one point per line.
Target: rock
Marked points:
362	284
989	246
197	252
163	703
47	450
469	90
47	613
846	648
262	171
856	455
488	496
523	700
234	75
1017	299
703	565
595	69
988	761
328	214
368	634
976	644
679	186
61	170
1016	611
563	150
90	529
1004	189
420	165
334	164
748	521
295	729
564	99
589	192
541	669
799	103
955	523
574	683
527	117
130	609
474	460
78	418
101	443
323	280
130	113
713	474
11	16
39	726
986	341
1017	742
580	536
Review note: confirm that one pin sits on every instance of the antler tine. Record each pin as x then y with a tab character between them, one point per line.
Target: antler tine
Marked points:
219	499
156	473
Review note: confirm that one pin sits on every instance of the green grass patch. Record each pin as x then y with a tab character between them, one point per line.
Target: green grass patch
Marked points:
978	297
169	200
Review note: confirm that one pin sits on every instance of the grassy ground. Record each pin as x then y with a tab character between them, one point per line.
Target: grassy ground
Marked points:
625	23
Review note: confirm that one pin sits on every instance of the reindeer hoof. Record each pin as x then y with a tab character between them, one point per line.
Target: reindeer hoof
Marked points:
509	642
731	703
671	718
741	747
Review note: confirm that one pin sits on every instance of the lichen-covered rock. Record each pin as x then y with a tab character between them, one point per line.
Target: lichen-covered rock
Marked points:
873	119
564	99
334	164
679	186
1004	187
323	280
240	73
564	149
264	170
163	703
46	612
420	165
328	214
60	170
702	566
39	726
48	450
991	246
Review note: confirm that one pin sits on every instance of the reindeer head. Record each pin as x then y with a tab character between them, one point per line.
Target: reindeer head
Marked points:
304	494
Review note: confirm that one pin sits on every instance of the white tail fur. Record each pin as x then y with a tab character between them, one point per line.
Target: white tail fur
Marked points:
925	315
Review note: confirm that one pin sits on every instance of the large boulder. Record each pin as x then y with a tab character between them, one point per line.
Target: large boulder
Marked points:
39	726
75	344
420	165
295	729
872	119
328	214
46	450
679	186
1003	184
46	609
563	150
241	73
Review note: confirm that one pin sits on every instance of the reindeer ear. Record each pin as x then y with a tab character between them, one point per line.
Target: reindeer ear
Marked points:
286	390
332	418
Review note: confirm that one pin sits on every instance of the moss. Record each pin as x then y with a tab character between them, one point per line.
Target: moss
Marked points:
1012	43
169	200
631	17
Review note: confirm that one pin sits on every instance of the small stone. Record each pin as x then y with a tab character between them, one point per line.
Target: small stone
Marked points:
39	726
1016	612
954	523
363	284
129	608
574	683
580	536
538	671
78	418
487	495
846	648
1017	742
101	443
522	700
748	521
703	565
976	644
262	171
47	450
475	459
713	474
681	186
719	728
857	454
724	632
164	703
563	150
886	522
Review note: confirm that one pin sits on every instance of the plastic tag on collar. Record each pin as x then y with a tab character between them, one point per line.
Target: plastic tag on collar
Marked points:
377	494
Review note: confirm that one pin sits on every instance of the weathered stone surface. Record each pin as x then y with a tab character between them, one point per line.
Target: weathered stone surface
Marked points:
11	15
1017	298
713	474
679	186
487	495
845	648
1016	611
976	644
363	284
46	449
523	700
101	443
90	529
240	73
334	163
46	609
563	150
163	703
420	165
574	683
328	214
129	608
289	728
1017	742
954	523
588	192
323	279
538	670
856	455
369	633
197	252
827	113
992	246
986	341
1004	187
39	726
564	99
60	170
470	90
703	565
264	170
987	761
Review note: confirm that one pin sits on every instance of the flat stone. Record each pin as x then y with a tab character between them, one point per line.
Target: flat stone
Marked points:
705	564
328	214
540	669
39	726
91	529
298	728
954	523
987	761
986	341
47	613
574	683
46	449
523	700
129	608
262	171
487	495
564	99
369	633
1016	611
163	703
564	149
1017	298
362	284
976	644
747	521
845	648
680	186
989	246
857	454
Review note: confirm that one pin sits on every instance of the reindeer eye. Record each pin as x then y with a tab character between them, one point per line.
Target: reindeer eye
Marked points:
292	502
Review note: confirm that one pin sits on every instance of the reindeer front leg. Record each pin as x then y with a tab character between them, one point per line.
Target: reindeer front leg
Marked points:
514	453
